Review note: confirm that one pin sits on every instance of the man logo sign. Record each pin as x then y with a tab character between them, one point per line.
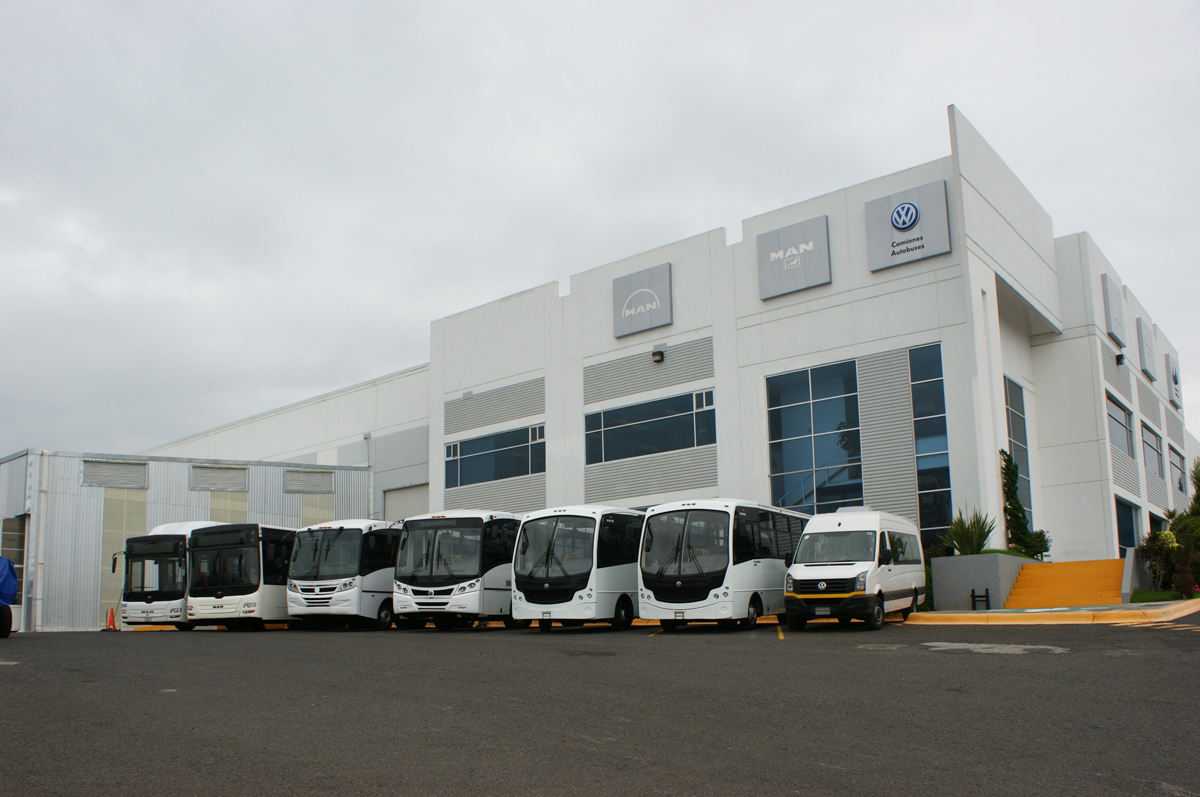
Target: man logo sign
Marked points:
905	216
791	256
640	301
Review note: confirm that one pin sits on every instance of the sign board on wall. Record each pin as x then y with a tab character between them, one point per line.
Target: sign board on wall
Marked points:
907	226
642	300
1114	309
793	258
1174	391
1145	335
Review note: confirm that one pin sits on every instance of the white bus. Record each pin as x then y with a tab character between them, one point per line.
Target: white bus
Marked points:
455	568
715	559
576	565
238	575
343	569
156	582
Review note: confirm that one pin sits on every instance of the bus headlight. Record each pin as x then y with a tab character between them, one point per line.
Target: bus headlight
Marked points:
467	587
860	582
292	587
349	583
403	590
789	585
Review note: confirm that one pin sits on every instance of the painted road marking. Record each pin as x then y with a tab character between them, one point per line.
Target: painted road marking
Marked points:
779	630
880	647
985	647
9	663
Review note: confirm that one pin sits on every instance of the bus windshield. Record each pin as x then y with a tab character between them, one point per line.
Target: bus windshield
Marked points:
824	547
155	565
554	547
224	567
440	551
325	554
686	543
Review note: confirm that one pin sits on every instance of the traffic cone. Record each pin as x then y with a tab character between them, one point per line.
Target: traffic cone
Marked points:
111	625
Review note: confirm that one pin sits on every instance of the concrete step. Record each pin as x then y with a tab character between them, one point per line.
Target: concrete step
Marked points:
1048	585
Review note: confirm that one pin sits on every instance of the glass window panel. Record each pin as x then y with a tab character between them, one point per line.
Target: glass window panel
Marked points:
595	447
1020	455
839	484
834	414
494	442
652	437
591	422
934	509
452	473
794	421
834	380
648	411
706	428
793	489
1015	396
1016	428
1026	496
792	455
933	472
1126	525
708	398
1120	435
931	435
787	389
537	458
925	363
838	448
493	465
927	399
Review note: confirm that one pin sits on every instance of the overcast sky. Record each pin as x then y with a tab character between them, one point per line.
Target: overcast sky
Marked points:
209	210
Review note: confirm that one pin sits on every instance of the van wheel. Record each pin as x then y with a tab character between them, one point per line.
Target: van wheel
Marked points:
795	623
906	612
545	625
752	613
622	614
385	618
875	619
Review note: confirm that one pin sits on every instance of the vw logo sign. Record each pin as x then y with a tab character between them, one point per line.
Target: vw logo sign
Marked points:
905	216
821	585
1175	376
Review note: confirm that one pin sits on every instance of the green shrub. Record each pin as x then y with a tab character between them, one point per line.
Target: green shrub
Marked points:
968	536
1158	549
1152	596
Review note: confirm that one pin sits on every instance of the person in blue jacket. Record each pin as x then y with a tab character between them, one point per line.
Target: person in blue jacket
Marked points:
8	594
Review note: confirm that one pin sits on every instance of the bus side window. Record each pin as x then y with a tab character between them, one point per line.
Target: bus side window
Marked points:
744	538
275	555
608	543
633	535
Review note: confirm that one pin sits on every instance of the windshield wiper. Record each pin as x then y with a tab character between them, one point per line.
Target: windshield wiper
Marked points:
695	560
671	556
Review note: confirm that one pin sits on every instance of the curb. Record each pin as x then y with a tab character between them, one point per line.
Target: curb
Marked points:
1159	613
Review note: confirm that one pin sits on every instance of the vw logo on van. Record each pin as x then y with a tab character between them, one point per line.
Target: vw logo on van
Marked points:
821	585
905	216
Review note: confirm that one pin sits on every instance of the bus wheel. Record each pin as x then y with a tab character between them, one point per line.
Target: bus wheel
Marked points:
904	613
752	613
385	618
5	621
545	625
185	626
795	623
511	622
622	614
875	619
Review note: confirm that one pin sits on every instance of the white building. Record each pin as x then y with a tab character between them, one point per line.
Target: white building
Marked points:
878	344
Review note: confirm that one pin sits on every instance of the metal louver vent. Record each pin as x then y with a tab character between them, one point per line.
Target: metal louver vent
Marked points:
220	479
115	474
308	481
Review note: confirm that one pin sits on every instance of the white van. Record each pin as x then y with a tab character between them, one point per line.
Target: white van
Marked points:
855	563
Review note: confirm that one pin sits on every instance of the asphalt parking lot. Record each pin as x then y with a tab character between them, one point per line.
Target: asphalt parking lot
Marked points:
1094	710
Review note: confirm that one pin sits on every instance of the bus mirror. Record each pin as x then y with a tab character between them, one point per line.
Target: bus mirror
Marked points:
885	557
114	561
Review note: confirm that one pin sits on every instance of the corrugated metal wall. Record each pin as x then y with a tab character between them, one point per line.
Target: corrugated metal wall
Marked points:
637	373
516	495
688	469
1149	405
1125	471
496	406
886	422
1117	376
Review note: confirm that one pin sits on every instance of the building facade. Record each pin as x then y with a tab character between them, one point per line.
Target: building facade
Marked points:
879	344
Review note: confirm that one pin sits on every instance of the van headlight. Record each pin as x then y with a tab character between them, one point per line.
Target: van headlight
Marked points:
860	582
788	584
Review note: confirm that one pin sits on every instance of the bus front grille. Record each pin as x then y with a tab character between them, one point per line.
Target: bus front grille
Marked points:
813	586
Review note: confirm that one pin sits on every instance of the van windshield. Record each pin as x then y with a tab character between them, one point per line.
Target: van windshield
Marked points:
824	547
